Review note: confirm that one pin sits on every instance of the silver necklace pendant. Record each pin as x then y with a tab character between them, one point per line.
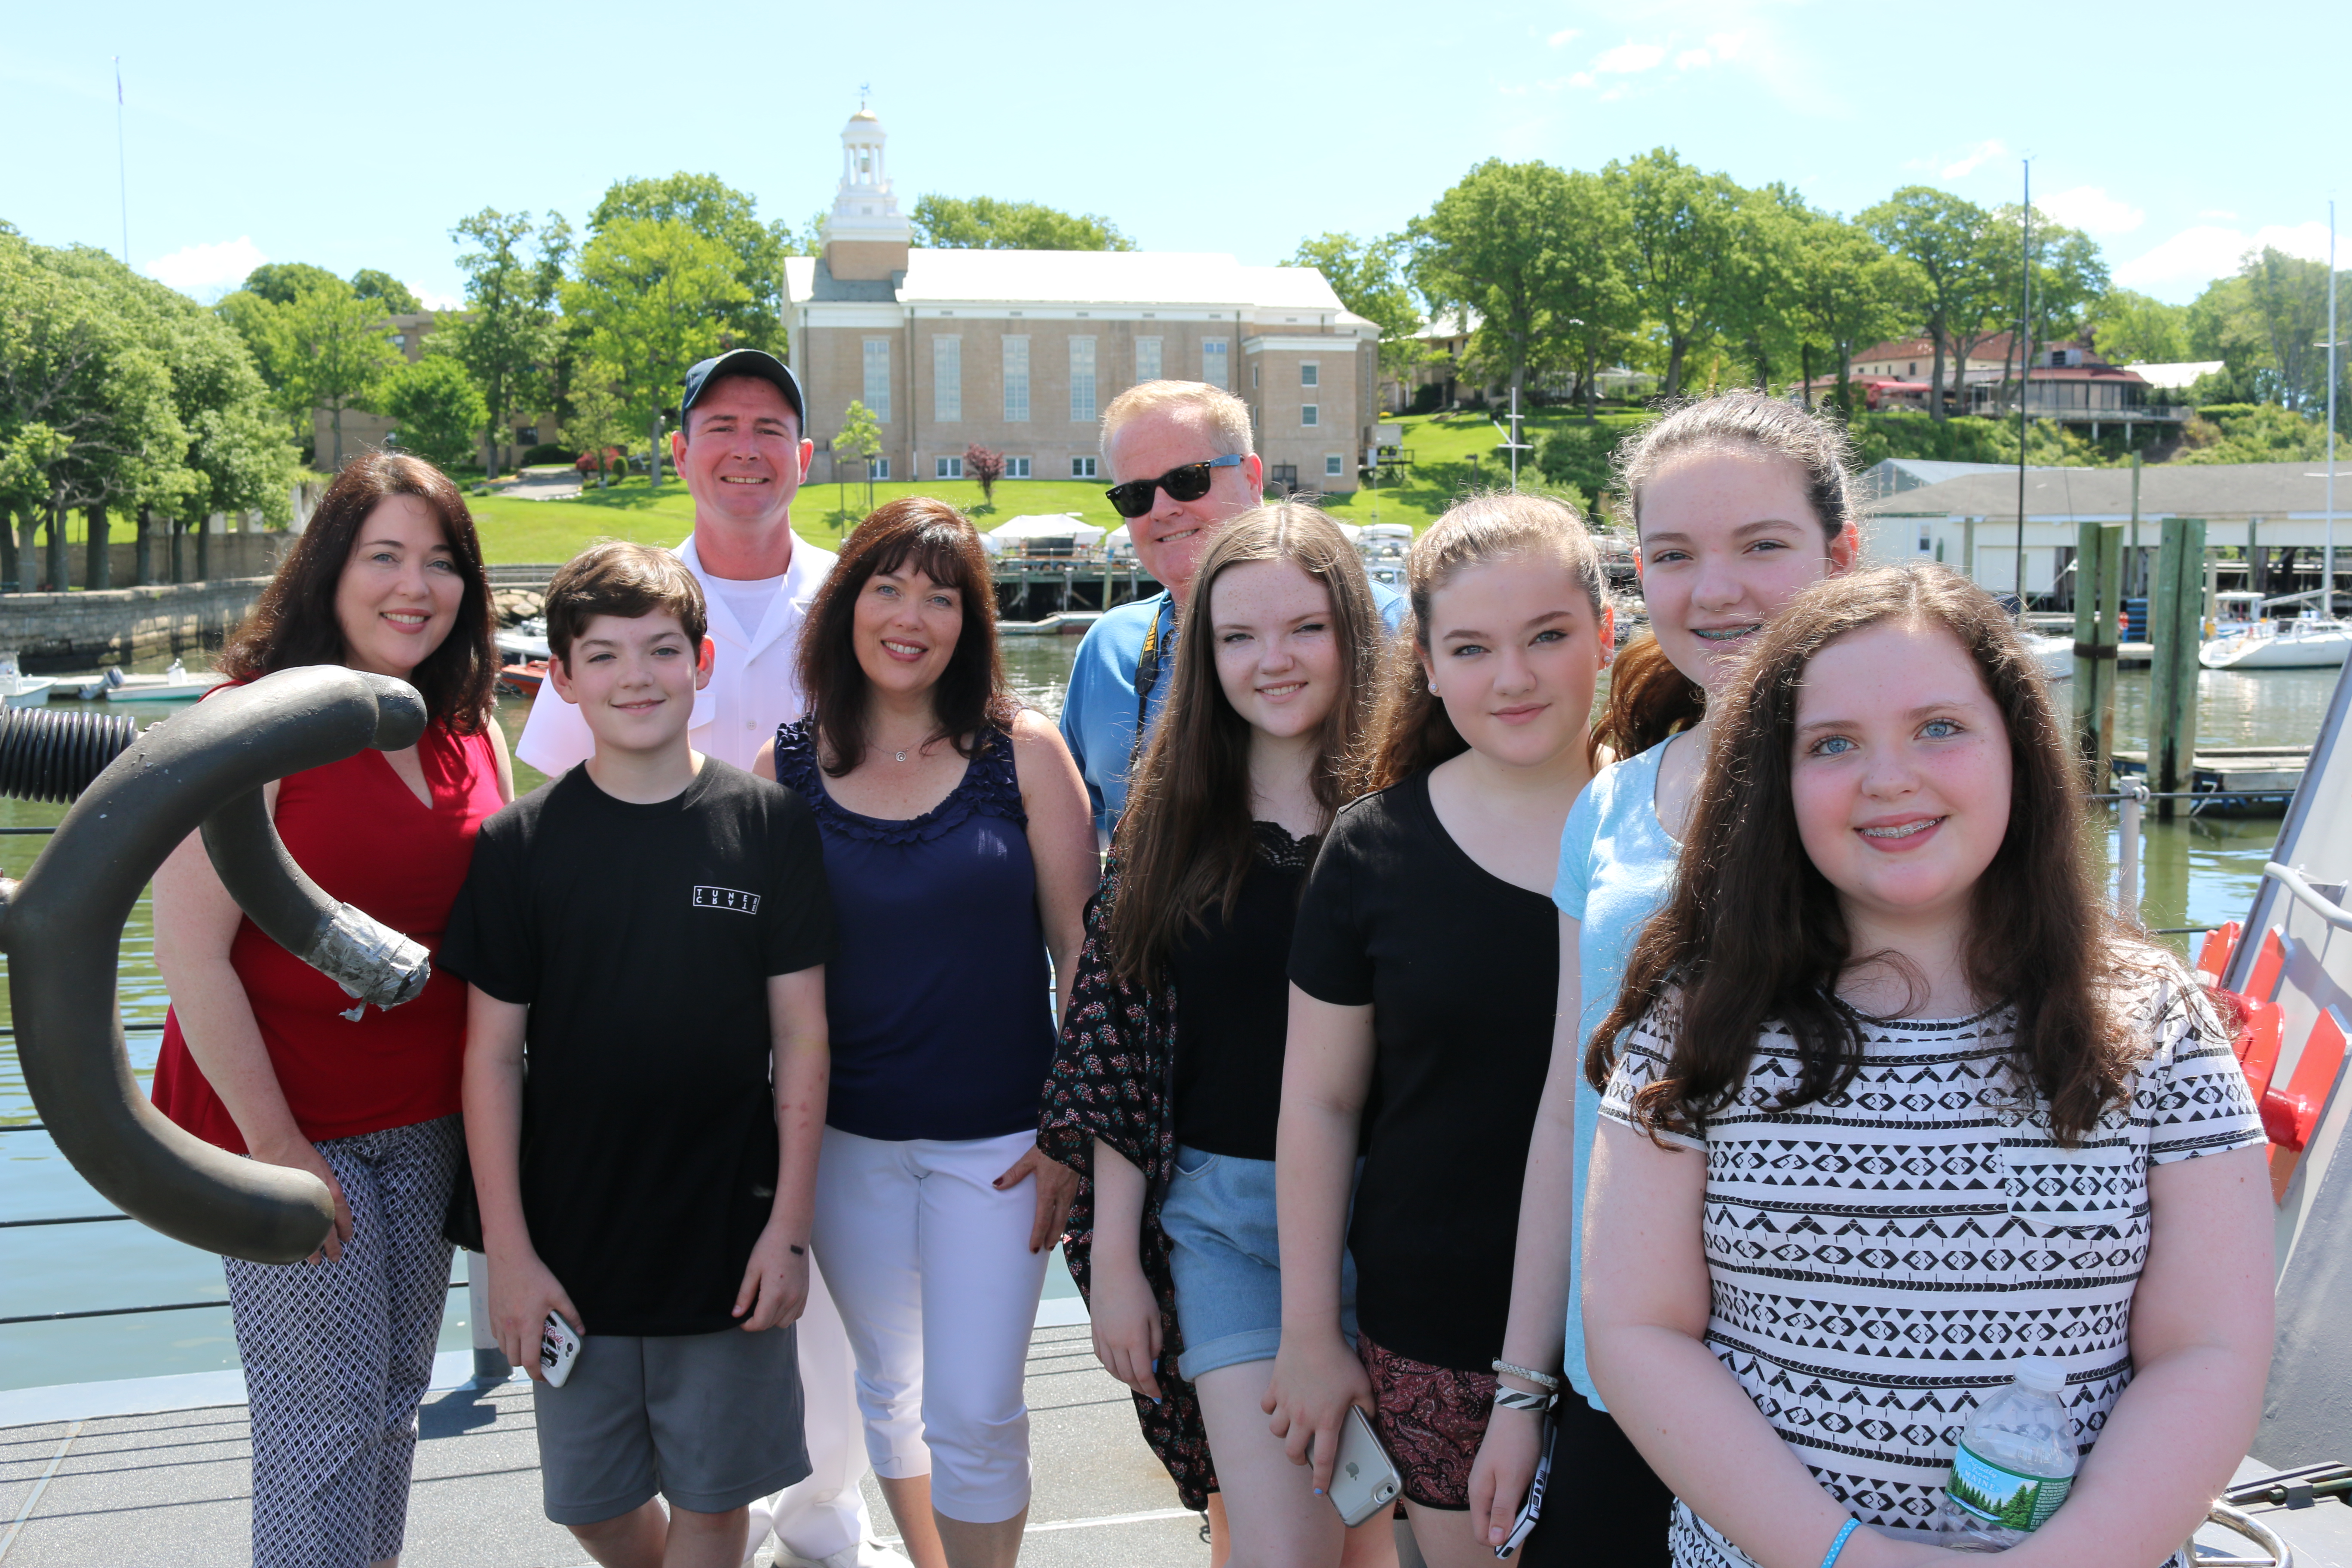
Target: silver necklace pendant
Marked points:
898	757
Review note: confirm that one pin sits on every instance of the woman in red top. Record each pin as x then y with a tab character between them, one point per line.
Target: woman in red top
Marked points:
266	1057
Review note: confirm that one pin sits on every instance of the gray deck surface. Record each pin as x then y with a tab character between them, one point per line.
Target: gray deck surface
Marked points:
174	1488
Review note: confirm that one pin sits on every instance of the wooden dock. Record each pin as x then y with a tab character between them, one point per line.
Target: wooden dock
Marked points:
2242	779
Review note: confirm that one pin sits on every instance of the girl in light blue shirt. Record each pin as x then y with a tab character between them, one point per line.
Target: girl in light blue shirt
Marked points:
1738	501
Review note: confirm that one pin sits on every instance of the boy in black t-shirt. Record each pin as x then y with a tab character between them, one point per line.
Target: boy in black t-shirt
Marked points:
649	934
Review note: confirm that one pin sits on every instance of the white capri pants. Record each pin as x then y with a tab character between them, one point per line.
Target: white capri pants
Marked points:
930	1266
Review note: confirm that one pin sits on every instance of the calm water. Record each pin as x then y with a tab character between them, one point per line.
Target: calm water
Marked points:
2196	872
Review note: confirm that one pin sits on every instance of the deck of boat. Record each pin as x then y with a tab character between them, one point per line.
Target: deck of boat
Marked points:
175	1487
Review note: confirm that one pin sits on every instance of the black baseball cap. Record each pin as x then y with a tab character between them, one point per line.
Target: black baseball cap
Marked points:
743	362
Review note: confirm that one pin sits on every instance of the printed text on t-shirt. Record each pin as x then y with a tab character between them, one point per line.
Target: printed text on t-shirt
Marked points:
726	898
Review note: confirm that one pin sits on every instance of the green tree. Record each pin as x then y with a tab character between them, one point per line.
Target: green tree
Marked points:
2285	308
390	291
1369	278
1590	306
596	424
1942	237
1683	225
648	294
2265	433
717	211
438	409
2069	274
1486	245
2129	328
280	281
860	439
508	337
1850	293
1760	286
330	350
984	223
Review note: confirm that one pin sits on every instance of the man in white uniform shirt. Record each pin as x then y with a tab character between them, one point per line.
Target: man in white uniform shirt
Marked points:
740	450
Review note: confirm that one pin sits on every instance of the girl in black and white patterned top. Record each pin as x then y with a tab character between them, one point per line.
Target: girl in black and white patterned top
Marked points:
1948	1114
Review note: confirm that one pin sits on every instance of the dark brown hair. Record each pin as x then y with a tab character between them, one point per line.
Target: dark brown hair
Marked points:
1649	699
1410	730
1754	932
1185	840
613	577
295	622
933	538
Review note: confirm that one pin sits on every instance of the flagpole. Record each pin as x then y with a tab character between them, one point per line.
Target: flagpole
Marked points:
2327	553
122	162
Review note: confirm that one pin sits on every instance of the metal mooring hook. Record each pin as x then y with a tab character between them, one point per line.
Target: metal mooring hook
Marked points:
62	928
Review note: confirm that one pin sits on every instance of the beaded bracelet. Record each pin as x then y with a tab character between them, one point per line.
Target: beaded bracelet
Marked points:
1540	1379
1838	1546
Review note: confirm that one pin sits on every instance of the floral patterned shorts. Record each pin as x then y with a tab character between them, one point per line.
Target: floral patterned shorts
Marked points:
1431	1419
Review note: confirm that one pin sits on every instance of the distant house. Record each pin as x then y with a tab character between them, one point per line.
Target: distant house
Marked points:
364	429
2066	382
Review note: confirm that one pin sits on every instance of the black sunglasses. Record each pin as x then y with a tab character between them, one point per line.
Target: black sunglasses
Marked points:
1189	482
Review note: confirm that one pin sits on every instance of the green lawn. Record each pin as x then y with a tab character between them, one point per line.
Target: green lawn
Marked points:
1451	455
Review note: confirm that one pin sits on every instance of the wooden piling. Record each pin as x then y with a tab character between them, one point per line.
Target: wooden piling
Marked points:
2175	621
2098	632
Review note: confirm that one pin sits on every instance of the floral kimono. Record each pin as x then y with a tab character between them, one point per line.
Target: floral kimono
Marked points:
1111	1080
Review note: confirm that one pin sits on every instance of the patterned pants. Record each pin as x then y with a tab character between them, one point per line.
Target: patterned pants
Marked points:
337	1356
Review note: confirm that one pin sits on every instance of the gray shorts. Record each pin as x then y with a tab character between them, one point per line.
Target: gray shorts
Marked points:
708	1421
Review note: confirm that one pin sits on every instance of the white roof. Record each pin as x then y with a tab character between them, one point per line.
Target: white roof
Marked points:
2176	374
1176	278
1046	525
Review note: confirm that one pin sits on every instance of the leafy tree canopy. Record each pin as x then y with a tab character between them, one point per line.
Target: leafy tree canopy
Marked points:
397	301
984	223
280	281
712	208
438	411
2129	328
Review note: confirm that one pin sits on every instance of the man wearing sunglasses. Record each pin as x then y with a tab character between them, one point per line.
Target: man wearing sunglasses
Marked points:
1179	454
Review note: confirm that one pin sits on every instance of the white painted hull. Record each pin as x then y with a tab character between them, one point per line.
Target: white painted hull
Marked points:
2321	648
27	694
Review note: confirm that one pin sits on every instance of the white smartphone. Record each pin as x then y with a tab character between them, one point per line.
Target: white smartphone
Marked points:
558	1347
1365	1479
1532	1510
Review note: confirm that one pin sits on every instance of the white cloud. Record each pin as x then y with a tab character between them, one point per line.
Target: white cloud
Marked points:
2090	208
2181	266
1581	79
436	301
1727	46
1976	157
203	268
2218	214
1692	59
1565	36
1629	59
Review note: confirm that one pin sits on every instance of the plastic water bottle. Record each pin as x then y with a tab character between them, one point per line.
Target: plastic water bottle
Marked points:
2015	1463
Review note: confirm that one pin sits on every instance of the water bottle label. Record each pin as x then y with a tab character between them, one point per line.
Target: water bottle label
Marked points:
2001	1496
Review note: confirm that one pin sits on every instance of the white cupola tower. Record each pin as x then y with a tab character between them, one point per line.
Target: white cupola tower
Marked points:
865	236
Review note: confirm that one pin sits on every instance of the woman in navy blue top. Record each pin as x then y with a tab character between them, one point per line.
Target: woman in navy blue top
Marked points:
960	851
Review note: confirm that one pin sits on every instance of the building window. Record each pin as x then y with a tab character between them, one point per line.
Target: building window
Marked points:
1308	373
1146	359
1253	378
1214	361
1082	380
526	434
947	468
1016	380
1310	414
1082	467
1016	467
879	469
877	378
1335	466
947	379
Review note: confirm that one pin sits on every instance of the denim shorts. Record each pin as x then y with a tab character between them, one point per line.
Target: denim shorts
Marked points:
1219	1214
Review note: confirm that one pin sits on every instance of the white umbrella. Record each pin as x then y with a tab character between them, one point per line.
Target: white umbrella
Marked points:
1046	525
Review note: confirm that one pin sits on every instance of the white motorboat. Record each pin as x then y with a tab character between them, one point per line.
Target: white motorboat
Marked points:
2054	655
175	685
524	641
2305	643
15	691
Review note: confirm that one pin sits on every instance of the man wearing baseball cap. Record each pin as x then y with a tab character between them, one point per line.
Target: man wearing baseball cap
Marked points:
742	449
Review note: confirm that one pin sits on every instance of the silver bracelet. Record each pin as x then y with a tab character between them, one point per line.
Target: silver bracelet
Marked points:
1519	1399
1540	1379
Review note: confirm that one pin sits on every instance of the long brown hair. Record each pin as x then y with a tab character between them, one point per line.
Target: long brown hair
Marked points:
940	542
1754	931
1410	730
295	623
1185	841
1649	699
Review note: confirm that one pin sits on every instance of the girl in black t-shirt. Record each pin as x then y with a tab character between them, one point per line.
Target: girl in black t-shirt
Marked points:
1169	1079
1423	967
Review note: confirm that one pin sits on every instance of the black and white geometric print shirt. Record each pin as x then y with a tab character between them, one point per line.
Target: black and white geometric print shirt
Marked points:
1875	1256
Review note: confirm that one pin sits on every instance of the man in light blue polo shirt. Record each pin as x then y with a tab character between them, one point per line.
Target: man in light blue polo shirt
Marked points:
1182	468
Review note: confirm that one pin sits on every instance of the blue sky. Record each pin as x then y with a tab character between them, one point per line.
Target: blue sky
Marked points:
348	136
